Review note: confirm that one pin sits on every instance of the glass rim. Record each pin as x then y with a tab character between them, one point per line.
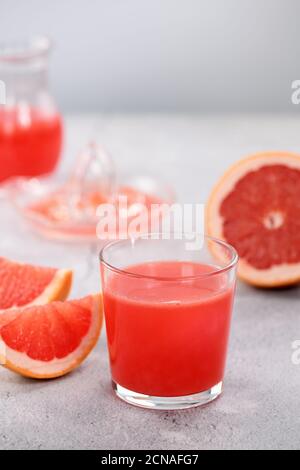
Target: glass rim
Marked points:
147	236
24	50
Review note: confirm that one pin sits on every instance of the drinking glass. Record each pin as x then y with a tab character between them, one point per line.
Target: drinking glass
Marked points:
168	304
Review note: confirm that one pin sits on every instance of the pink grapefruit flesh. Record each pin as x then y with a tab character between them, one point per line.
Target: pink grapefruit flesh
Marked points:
23	284
256	208
48	341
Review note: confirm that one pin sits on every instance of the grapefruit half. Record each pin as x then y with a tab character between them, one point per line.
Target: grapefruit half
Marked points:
256	208
23	284
48	341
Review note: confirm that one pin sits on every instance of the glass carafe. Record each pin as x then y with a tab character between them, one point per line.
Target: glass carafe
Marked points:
30	125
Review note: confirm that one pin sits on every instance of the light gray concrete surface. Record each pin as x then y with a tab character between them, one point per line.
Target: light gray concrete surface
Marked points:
261	402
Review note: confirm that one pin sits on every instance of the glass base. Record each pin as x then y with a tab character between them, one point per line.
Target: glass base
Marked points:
167	403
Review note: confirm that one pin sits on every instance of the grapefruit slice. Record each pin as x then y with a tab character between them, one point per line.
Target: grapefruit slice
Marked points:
256	208
48	341
23	285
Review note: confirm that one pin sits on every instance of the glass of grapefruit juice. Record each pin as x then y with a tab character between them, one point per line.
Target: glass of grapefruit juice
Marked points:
168	305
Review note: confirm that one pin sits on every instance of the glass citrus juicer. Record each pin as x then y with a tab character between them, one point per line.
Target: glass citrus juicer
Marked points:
75	208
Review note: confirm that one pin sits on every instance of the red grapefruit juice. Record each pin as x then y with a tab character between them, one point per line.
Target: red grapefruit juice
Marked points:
168	337
30	142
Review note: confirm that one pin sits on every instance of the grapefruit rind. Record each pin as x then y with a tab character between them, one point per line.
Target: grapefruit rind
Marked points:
58	289
27	367
277	276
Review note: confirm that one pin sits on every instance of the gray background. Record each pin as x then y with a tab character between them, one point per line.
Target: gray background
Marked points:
166	55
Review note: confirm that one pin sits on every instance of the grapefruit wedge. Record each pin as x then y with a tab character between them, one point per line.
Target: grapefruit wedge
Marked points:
256	208
22	285
48	341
